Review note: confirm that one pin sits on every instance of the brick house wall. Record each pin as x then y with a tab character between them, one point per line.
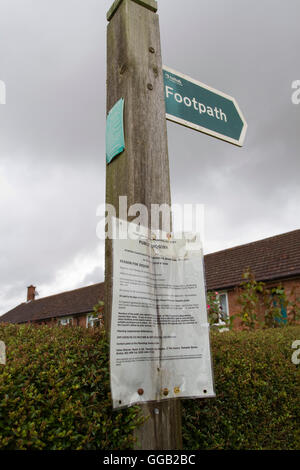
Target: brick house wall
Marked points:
81	320
274	260
291	287
78	320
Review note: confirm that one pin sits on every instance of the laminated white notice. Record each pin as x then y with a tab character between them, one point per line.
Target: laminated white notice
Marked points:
159	347
2	353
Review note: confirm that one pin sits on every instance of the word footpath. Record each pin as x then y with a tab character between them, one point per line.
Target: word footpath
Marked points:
213	112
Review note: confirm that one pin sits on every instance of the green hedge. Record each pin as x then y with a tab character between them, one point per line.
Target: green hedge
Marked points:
258	394
54	393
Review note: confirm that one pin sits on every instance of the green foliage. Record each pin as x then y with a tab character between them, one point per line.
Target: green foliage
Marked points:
262	306
275	302
249	299
294	308
258	394
55	392
213	308
98	314
215	313
98	308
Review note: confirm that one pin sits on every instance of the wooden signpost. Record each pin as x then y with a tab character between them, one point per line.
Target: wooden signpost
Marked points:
141	172
140	96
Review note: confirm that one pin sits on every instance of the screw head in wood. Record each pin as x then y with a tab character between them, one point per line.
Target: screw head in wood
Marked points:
150	86
166	391
141	391
151	49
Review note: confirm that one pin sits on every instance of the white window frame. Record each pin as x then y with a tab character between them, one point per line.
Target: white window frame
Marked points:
93	317
65	321
227	307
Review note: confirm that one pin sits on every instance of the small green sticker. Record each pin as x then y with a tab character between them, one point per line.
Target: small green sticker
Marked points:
115	142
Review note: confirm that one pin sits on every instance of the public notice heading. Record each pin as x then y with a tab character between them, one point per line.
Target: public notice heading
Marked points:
159	345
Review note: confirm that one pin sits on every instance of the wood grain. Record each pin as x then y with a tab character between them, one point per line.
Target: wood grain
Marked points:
141	172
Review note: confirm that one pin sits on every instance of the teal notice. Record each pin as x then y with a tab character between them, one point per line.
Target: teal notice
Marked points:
200	107
115	142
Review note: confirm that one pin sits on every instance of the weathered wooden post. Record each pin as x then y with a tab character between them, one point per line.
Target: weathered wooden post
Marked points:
141	172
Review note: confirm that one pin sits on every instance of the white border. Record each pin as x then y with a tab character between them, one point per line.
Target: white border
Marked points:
191	125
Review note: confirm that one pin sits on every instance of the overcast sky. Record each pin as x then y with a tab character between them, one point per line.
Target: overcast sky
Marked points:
52	131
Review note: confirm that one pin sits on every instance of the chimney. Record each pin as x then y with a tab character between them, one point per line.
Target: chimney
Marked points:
30	293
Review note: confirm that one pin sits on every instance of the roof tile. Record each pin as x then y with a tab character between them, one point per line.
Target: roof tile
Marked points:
272	258
67	303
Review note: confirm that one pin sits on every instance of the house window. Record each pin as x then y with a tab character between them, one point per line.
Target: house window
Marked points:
93	320
218	311
65	321
224	307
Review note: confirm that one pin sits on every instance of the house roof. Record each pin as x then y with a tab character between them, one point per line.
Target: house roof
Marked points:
273	258
270	259
67	303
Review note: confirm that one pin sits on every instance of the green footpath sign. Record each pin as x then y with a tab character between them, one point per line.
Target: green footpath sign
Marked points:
195	105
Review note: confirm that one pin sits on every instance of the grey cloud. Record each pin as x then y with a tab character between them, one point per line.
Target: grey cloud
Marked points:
97	275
